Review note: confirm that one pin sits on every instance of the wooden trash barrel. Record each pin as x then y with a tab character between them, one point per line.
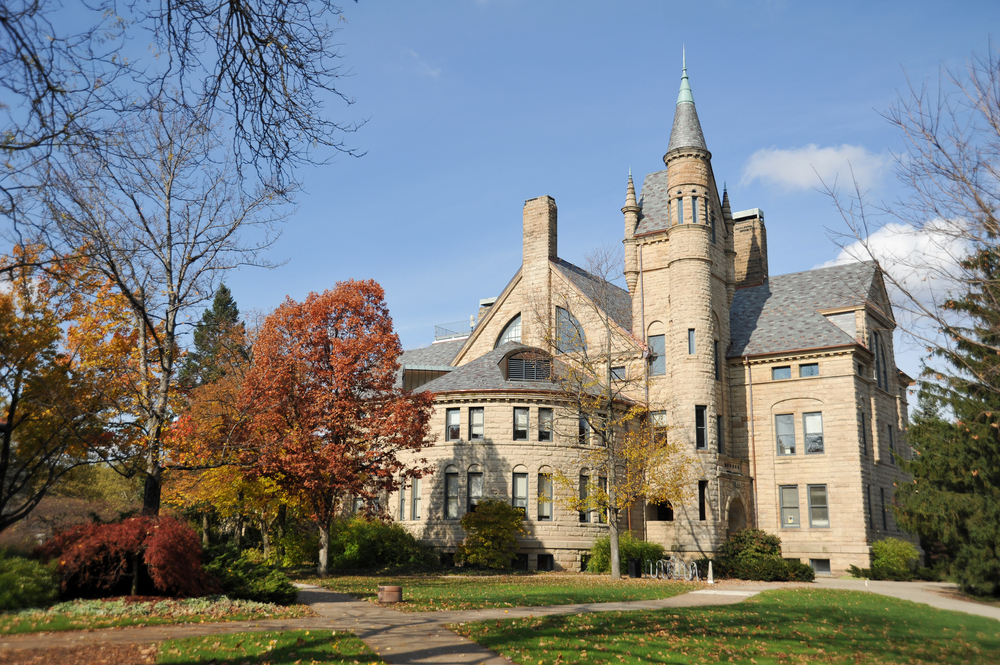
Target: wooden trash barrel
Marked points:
390	594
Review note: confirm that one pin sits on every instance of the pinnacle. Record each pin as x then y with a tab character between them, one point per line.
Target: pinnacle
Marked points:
686	132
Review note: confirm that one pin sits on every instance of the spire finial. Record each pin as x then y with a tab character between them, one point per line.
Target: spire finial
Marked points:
629	192
685	93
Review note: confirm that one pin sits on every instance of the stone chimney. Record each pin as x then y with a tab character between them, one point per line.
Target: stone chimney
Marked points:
750	243
539	231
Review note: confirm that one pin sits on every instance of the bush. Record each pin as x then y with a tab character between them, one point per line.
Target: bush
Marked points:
892	559
244	577
748	545
753	554
491	535
361	543
25	583
101	559
800	572
628	548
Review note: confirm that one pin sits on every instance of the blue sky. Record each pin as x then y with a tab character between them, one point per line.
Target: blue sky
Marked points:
473	107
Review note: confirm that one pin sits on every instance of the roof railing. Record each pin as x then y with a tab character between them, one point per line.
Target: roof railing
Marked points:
456	330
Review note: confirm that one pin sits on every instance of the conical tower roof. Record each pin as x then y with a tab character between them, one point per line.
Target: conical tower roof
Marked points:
686	132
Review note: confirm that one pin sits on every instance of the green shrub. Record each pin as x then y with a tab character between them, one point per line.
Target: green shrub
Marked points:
26	583
892	559
628	548
800	572
360	543
243	576
491	532
749	545
753	554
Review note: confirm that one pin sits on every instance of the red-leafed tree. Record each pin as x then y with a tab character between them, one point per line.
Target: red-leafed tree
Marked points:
329	421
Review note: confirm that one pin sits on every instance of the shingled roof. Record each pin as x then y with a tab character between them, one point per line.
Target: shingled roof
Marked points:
438	354
484	373
653	201
615	300
781	314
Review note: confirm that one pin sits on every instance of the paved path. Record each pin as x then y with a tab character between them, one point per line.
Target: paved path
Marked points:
941	595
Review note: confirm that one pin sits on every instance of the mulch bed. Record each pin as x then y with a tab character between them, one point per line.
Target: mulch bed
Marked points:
96	654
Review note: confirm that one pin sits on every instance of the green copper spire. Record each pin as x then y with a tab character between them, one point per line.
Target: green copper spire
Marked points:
686	132
685	94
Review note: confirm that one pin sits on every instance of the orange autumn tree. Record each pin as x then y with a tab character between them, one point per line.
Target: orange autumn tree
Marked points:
329	421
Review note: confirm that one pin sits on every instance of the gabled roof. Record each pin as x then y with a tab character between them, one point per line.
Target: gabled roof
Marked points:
653	201
484	373
615	300
437	354
782	313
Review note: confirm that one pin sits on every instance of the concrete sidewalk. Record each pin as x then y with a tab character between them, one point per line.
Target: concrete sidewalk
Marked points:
936	594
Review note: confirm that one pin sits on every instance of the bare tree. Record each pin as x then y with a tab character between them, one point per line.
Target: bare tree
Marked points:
159	214
604	378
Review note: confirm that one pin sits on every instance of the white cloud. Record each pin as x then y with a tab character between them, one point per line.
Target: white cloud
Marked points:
809	167
423	68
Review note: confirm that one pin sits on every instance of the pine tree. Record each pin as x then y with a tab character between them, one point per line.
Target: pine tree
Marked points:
954	498
219	330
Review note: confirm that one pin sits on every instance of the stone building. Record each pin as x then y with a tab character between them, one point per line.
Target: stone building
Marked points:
783	389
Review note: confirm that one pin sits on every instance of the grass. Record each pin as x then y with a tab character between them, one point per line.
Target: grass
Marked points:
784	626
422	593
116	613
294	647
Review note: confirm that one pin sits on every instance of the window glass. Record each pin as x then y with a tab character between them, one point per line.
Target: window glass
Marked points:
785	427
702	500
545	424
659	421
545	496
520	492
475	490
864	434
451	495
664	512
819	511
700	438
520	424
680	211
690	341
584	496
618	374
789	497
415	511
711	221
453	430
892	446
720	435
812	427
476	418
584	435
694	210
871	514
812	369
402	500
657	355
820	566
569	332
885	516
715	360
511	332
781	373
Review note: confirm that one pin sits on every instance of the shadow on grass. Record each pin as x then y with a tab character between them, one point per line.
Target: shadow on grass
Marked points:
276	648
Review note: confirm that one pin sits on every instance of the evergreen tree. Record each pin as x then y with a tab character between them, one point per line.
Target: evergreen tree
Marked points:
218	331
954	498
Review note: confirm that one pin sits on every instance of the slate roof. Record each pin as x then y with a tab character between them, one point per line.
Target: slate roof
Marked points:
618	302
686	132
437	354
780	314
484	373
653	201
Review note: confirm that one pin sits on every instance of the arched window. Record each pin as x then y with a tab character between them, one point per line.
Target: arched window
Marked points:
511	333
569	332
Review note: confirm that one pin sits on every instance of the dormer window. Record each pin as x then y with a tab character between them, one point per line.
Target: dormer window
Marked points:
526	368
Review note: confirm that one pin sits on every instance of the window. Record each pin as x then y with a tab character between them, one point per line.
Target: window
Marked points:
784	425
546	562
359	504
657	355
569	332
820	566
690	341
659	421
864	434
451	494
700	435
511	332
402	500
781	373
812	369
584	497
812	428
520	423
789	497
415	509
602	483
715	359
819	510
475	490
453	425
476	418
545	497
520	493
720	435
694	209
584	436
885	518
664	512
528	369
545	424
871	514
892	446
618	374
711	222
881	373
702	500
680	211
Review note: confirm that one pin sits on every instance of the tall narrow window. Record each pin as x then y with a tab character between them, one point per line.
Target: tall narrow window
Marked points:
694	209
602	483
720	435
659	421
415	509
784	425
702	500
819	510
812	428
402	500
520	492
569	332
584	435
520	423
879	361
885	518
864	434
545	424
451	495
789	497
711	222
476	423
715	360
475	490
871	513
584	497
680	211
657	355
545	497
700	435
453	428
690	341
892	445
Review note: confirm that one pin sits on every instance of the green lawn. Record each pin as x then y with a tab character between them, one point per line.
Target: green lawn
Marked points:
784	626
292	647
423	593
116	613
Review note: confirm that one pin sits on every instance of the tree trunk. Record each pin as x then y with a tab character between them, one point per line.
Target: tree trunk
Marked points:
204	530
265	537
239	522
282	516
324	547
613	517
135	573
152	489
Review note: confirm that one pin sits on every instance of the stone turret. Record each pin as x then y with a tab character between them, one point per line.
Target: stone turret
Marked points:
631	213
